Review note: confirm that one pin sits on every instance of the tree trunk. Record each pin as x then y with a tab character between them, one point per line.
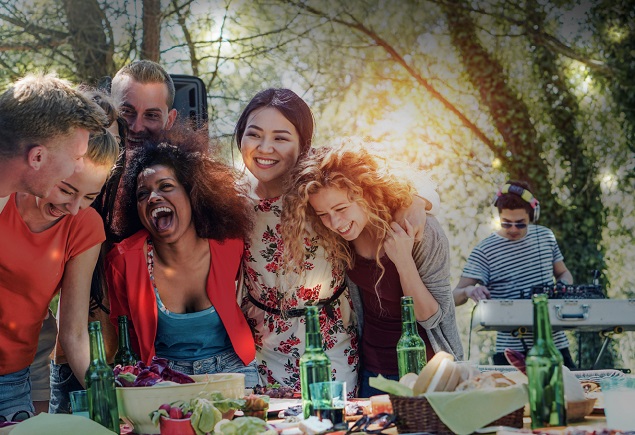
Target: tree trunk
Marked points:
613	21
582	220
150	45
521	151
92	49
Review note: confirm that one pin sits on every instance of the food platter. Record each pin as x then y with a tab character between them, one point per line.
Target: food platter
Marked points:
582	375
277	405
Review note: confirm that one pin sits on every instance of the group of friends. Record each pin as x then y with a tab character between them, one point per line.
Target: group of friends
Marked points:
110	201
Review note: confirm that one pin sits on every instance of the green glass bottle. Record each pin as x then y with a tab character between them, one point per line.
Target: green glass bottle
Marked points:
411	349
315	366
544	370
125	355
100	383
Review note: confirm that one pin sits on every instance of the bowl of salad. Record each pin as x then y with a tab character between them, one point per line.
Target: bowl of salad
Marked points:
143	389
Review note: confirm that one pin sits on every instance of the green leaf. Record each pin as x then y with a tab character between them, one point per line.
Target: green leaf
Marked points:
390	386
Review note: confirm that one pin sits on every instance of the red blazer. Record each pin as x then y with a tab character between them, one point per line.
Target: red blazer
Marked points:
131	294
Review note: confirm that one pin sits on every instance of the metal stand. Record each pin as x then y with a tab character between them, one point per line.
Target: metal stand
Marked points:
608	335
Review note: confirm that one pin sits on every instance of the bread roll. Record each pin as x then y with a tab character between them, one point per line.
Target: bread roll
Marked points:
409	379
455	378
427	375
493	379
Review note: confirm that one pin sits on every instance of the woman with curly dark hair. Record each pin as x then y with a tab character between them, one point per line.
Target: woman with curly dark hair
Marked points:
183	221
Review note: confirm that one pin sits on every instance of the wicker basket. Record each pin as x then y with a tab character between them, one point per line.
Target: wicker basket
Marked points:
414	414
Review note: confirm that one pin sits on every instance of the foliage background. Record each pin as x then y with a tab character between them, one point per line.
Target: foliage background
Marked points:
474	92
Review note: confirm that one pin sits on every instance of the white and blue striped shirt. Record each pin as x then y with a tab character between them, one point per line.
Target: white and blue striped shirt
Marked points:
510	267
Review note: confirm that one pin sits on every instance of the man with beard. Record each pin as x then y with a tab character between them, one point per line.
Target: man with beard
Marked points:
145	94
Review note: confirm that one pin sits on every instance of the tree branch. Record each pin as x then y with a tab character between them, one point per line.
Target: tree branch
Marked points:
181	20
34	30
388	48
538	34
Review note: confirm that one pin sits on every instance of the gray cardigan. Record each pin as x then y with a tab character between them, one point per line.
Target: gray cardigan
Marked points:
432	257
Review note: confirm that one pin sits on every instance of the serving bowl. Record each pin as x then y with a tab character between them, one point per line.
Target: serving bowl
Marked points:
576	411
136	403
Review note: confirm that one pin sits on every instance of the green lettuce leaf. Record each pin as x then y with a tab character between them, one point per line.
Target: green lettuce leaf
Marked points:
245	426
204	415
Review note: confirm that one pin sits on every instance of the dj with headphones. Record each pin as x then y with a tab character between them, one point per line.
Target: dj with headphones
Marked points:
510	261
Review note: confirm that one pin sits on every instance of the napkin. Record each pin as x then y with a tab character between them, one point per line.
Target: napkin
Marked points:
468	411
573	390
59	424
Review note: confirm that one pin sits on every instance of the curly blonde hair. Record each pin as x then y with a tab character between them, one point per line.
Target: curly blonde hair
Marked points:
369	183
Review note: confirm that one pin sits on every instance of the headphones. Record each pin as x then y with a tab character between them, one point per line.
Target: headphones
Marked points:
524	194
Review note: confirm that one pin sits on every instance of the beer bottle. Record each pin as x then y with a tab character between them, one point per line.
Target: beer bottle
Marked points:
315	366
125	355
100	383
411	349
544	370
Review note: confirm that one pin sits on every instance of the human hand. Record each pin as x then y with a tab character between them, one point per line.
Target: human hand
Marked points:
399	242
477	292
416	216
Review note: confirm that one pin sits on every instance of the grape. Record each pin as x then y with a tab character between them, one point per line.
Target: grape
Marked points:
276	391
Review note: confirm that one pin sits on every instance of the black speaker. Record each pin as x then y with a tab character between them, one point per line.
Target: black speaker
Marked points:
190	99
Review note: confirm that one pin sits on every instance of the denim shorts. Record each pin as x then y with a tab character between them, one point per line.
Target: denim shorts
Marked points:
226	362
15	393
63	381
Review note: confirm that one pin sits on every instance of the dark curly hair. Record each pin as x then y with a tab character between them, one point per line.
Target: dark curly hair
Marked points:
219	208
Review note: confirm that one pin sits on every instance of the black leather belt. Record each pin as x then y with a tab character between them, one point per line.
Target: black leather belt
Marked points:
299	312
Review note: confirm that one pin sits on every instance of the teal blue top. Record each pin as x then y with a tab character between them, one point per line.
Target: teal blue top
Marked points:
190	336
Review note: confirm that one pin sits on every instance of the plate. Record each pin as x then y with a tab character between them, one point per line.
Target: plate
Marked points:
596	375
495	429
584	375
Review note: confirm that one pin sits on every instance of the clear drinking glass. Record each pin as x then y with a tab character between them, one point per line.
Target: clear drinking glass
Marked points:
619	396
79	403
329	401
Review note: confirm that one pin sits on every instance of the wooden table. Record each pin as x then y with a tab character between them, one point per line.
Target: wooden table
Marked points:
594	421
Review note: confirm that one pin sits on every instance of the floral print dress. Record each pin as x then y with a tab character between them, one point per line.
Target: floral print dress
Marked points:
277	321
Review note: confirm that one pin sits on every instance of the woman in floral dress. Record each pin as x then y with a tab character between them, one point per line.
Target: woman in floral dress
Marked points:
273	131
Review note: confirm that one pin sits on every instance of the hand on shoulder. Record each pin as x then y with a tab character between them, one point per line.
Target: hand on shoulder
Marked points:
399	242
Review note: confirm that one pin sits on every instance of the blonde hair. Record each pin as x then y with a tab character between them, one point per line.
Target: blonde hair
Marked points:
103	147
40	107
145	71
369	183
